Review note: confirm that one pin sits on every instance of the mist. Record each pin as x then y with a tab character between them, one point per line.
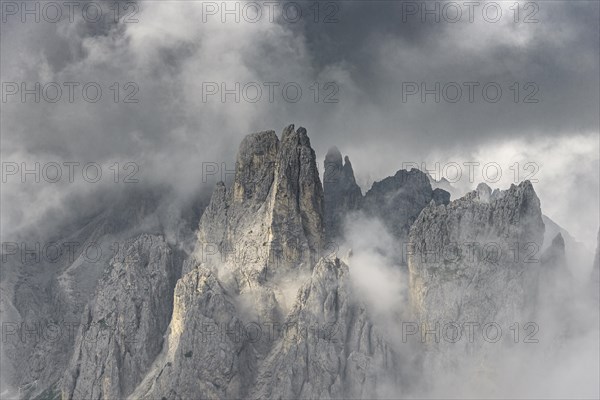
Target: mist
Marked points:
183	82
549	351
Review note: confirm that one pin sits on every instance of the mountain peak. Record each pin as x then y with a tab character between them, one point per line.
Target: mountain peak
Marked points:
334	155
558	241
341	192
275	206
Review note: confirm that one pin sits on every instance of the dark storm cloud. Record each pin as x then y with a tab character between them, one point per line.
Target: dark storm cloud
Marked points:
383	47
368	50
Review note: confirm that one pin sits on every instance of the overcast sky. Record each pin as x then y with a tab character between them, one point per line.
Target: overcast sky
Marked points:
361	66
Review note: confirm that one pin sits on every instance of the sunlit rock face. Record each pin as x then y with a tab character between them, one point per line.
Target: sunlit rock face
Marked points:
48	295
333	349
262	308
122	328
312	338
206	355
257	242
271	220
477	258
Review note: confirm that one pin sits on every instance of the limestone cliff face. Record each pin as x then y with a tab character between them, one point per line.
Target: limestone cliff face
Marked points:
554	258
271	220
206	355
237	330
476	259
342	194
261	310
256	240
49	293
398	200
122	328
445	185
330	348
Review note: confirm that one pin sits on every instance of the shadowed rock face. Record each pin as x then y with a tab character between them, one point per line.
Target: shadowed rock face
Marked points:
333	351
554	257
463	266
122	329
396	200
342	194
206	354
272	218
555	285
576	252
257	312
254	239
55	290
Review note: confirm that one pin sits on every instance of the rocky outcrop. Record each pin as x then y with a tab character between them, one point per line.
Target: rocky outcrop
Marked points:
576	252
233	314
476	259
122	329
256	241
257	312
555	289
45	296
555	281
554	258
206	355
329	348
397	200
445	185
271	220
342	194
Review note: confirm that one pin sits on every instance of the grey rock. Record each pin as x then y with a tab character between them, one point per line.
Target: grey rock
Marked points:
342	194
463	266
440	196
397	200
256	240
554	257
445	185
204	356
122	329
334	349
330	348
47	295
555	291
575	251
271	219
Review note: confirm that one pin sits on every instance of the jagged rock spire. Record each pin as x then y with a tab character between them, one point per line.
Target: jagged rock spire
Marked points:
461	266
272	217
342	194
397	200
